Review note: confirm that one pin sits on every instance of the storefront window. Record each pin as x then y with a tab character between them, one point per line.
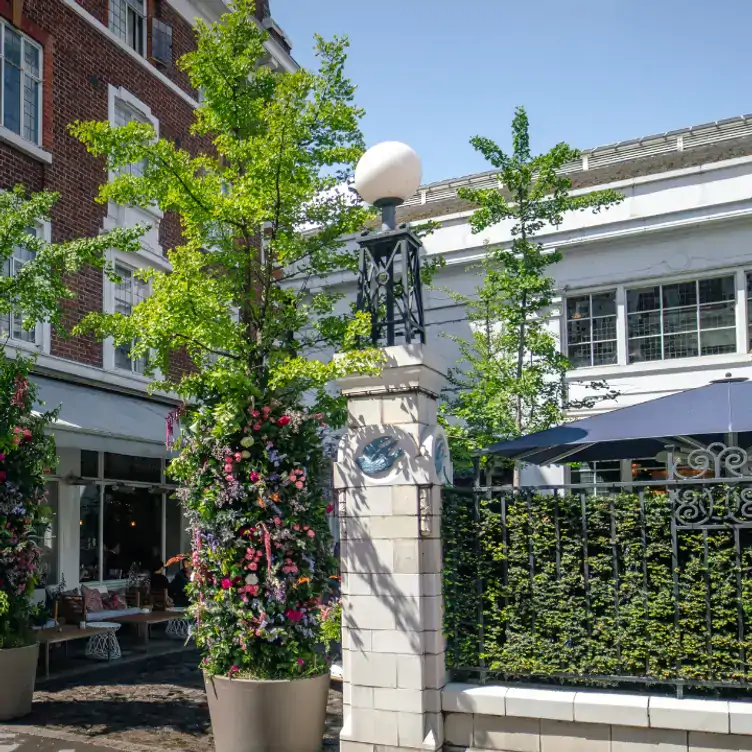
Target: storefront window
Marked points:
48	541
125	467
89	526
132	530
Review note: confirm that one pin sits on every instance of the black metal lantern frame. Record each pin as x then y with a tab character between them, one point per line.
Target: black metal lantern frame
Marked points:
389	286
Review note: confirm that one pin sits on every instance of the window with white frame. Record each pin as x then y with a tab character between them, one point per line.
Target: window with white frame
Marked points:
128	22
21	84
128	293
681	320
12	324
591	329
125	114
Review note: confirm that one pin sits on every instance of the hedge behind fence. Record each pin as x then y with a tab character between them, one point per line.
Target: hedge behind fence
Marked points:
545	622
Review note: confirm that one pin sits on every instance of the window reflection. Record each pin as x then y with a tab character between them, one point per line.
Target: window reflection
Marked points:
89	525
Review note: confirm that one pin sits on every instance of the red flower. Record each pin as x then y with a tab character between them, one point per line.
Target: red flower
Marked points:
255	477
329	508
226	583
284	420
293	615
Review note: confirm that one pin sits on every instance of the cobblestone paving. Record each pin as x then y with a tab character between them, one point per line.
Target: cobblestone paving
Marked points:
157	704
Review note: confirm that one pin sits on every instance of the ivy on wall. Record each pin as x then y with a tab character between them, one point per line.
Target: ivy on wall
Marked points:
532	590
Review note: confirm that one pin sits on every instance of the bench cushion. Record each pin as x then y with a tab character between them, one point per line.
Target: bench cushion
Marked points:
113	614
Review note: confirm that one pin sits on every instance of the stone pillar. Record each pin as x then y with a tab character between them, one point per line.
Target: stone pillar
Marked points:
391	465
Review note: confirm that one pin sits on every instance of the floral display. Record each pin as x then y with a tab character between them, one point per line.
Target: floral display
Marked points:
25	454
261	543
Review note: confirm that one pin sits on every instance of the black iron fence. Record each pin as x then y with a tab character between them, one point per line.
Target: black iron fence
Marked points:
637	583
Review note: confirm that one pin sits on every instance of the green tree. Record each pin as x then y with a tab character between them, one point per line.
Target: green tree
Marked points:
34	272
263	215
510	375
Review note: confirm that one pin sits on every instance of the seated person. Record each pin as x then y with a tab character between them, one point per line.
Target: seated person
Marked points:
179	582
159	582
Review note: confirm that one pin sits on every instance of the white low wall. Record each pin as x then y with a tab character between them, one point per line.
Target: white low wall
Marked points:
516	719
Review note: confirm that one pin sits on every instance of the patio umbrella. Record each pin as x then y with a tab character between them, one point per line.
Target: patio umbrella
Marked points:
692	418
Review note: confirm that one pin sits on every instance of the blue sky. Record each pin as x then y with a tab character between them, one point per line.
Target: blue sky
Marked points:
434	73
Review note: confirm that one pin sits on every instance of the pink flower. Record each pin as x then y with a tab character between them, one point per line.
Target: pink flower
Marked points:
253	566
298	484
228	467
329	508
296	527
257	426
311	534
277	521
294	616
266	410
284	420
255	413
238	456
226	583
255	477
301	662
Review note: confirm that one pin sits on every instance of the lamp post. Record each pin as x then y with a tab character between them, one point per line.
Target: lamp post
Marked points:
389	286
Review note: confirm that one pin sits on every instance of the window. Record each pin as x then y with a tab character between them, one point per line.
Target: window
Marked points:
128	22
124	115
129	292
126	518
161	42
47	540
21	84
597	474
681	320
591	329
12	324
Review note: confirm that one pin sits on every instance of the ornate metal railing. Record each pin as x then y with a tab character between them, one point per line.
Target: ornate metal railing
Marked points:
644	582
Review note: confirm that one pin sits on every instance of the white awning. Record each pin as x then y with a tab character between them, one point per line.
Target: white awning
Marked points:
104	421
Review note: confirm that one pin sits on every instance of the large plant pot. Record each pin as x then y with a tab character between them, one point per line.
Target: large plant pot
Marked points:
267	716
18	667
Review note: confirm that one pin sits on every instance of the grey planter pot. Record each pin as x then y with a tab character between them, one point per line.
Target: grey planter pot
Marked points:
267	716
16	694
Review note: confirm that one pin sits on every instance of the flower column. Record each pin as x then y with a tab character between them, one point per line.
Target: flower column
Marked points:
392	463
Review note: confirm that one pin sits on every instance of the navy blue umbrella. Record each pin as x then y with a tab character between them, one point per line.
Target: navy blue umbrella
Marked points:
692	417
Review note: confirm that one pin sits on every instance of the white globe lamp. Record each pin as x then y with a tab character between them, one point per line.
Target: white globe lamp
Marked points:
387	175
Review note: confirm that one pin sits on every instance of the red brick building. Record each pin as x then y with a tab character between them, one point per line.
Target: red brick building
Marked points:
68	60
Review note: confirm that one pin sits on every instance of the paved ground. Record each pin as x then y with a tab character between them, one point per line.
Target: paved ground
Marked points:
156	705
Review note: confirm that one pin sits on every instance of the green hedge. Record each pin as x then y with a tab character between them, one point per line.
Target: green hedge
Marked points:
546	623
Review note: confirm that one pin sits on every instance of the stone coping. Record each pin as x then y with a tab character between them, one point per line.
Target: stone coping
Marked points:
615	708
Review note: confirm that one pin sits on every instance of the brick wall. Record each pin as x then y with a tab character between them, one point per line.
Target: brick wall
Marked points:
79	63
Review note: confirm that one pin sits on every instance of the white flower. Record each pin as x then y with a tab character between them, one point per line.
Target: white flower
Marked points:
251	579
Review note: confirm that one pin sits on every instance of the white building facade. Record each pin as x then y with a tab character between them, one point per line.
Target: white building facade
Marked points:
656	292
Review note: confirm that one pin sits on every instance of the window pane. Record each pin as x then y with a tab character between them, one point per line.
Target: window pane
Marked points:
604	353
718	341
683	294
117	18
89	526
717	290
578	331
680	346
604	304
645	299
31	59
128	467
644	324
122	357
132	530
48	541
648	348
714	316
604	328
31	109
579	355
12	51
578	308
89	464
12	96
680	320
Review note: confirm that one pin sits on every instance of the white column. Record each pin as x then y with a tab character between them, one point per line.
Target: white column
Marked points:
69	512
392	463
